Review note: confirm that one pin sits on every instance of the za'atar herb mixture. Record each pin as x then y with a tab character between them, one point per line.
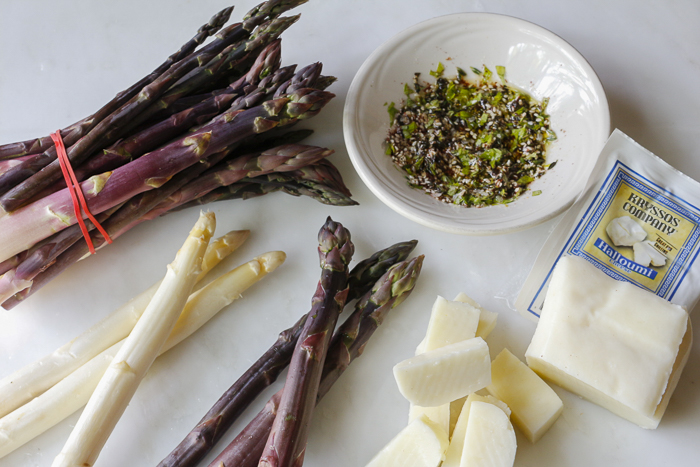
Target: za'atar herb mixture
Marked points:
469	143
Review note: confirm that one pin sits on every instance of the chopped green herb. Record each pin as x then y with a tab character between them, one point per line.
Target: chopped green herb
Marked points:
409	129
450	93
501	71
438	72
484	118
536	192
476	71
392	112
461	73
520	133
492	155
487	73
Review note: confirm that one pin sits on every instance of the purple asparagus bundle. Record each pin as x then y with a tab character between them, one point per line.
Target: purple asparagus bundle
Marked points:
112	127
299	109
40	219
23	284
156	144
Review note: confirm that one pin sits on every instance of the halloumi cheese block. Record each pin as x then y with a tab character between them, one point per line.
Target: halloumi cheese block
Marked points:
534	404
421	444
487	319
607	341
490	439
445	374
450	322
439	415
453	456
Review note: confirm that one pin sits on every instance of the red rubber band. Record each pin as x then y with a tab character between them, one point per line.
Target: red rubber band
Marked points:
76	193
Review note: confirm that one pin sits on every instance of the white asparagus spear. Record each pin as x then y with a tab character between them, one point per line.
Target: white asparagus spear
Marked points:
140	349
32	380
73	392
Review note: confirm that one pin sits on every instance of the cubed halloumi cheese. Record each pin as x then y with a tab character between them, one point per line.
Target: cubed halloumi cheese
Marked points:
450	322
534	404
421	444
445	374
490	439
607	341
439	415
487	319
453	456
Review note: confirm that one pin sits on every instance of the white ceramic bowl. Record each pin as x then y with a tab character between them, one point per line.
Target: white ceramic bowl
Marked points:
536	61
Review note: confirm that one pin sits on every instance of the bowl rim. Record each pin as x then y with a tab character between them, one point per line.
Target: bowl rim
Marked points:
350	132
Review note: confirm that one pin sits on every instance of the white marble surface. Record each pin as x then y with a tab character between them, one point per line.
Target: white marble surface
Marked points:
61	60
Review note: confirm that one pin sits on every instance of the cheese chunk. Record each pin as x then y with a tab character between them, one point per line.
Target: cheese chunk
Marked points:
443	375
534	404
607	341
490	439
450	322
421	347
420	444
487	319
438	335
455	409
625	231
453	456
439	415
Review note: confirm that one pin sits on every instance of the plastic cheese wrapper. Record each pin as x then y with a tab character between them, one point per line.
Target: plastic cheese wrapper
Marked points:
637	220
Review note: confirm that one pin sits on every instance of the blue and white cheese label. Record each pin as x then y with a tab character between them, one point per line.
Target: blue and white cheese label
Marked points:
638	221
